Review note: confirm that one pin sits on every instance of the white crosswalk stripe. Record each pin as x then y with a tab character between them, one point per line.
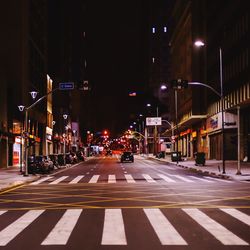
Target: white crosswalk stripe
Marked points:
77	179
58	180
218	231
166	233
201	179
148	178
113	229
112	178
165	178
94	179
238	215
180	177
10	232
2	212
63	229
129	178
41	180
217	179
170	178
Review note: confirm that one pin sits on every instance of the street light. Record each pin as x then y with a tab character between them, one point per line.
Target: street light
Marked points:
200	43
65	116
25	132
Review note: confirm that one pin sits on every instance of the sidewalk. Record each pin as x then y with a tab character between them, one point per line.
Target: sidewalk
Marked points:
212	167
11	177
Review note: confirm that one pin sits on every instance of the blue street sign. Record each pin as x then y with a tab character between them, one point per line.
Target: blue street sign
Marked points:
66	85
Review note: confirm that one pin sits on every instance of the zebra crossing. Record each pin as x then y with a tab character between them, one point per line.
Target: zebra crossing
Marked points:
113	226
128	178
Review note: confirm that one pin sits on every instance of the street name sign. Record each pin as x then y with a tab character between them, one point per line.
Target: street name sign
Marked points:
66	85
153	121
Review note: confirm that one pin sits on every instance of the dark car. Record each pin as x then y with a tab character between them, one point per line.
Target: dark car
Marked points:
42	164
127	156
32	166
54	158
80	155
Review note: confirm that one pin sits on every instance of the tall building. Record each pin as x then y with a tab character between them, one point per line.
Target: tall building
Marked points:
67	63
223	65
23	69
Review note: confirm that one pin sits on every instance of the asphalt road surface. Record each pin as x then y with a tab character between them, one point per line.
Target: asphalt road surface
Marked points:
105	204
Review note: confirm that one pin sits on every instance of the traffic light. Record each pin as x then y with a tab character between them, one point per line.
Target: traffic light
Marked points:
84	85
179	84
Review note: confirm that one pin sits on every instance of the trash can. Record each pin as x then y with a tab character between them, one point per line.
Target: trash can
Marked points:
176	156
200	158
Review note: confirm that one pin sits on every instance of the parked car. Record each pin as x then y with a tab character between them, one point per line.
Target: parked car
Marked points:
54	158
48	161
32	166
42	164
74	157
80	155
109	152
127	156
69	158
60	159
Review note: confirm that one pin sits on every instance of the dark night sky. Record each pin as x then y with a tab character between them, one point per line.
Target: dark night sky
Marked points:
117	42
117	57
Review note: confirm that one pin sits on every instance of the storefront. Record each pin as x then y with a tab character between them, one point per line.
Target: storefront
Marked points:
214	136
17	151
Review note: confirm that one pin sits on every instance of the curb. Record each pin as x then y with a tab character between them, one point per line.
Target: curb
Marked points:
205	172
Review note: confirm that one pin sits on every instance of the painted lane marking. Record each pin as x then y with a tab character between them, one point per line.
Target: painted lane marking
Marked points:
218	231
63	229
129	178
94	179
148	178
112	178
58	180
166	233
165	178
237	214
10	232
201	179
113	229
77	179
180	177
41	180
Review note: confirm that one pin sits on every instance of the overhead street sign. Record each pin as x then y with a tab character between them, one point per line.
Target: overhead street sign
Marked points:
66	85
153	121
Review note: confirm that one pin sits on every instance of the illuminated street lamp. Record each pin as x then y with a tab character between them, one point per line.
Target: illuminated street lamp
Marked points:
200	43
25	130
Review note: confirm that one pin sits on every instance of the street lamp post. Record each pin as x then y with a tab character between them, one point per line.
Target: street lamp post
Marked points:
65	116
200	43
176	121
26	142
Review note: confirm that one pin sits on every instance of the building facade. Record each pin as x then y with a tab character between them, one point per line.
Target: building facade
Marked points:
223	65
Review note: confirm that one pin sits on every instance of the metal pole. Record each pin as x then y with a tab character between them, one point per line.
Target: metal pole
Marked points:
64	150
238	134
176	120
26	143
222	114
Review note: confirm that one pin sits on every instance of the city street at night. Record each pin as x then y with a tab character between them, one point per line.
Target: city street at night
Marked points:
125	125
105	204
